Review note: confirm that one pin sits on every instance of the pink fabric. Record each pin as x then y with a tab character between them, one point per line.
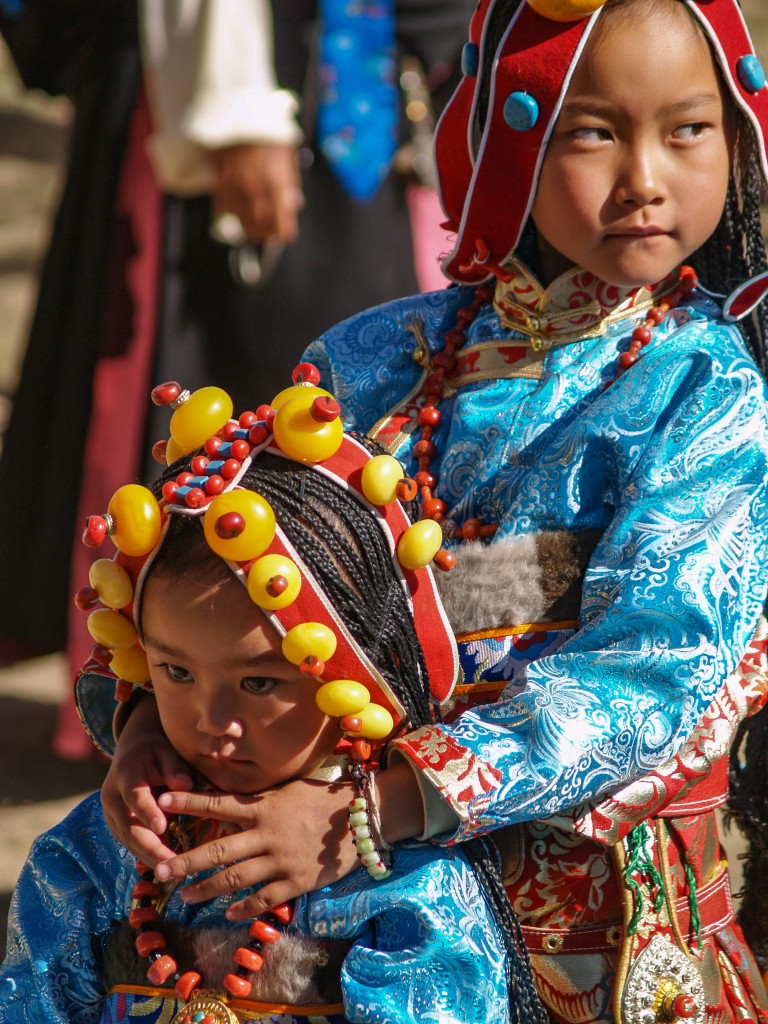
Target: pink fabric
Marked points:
113	450
430	241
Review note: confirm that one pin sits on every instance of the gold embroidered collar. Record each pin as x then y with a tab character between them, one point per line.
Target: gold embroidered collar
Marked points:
575	306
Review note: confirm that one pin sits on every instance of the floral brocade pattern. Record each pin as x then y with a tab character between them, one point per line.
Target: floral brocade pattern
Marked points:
423	938
669	460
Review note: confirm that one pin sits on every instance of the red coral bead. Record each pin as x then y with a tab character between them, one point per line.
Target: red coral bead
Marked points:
159	451
248	958
642	334
424	449
230	469
95	531
183	478
445	361
161	970
444	560
277	585
432	507
655	314
429	416
471	529
283	912
195	497
215	484
187	984
149	942
101	654
142	915
144	888
240	449
263	932
265	413
627	359
198	464
258	434
237	986
228	431
426	479
350	723
684	1006
325	409
86	598
361	751
229	525
212	445
166	393
169	491
247	419
406	489
123	690
306	373
312	666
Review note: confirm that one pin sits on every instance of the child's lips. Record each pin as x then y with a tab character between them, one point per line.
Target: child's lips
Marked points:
644	231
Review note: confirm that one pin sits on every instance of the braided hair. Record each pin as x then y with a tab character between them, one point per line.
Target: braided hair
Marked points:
736	249
344	549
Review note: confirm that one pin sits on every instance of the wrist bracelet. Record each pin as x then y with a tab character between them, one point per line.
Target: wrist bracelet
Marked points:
359	825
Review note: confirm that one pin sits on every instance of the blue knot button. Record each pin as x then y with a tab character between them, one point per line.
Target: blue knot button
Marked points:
521	111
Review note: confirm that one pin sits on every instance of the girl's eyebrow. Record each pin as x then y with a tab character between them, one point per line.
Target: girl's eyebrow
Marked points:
594	106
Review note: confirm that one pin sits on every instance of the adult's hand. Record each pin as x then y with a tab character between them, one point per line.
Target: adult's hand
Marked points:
144	759
260	184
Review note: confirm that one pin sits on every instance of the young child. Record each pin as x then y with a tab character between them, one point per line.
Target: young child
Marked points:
269	611
584	413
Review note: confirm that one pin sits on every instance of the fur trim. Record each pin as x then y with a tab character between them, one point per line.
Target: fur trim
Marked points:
297	969
532	578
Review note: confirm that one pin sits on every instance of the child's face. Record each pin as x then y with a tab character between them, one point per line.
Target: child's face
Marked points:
230	703
636	174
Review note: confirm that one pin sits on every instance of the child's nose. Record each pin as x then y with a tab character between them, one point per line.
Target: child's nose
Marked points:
639	182
216	720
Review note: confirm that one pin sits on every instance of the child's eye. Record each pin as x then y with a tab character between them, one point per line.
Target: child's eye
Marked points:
592	134
689	131
258	684
177	673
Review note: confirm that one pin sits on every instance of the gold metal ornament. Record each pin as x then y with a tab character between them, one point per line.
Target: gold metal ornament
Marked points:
207	1004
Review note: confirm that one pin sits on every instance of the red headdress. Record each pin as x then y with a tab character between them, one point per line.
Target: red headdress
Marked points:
531	71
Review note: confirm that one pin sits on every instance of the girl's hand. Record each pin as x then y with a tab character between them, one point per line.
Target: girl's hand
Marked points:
295	839
143	759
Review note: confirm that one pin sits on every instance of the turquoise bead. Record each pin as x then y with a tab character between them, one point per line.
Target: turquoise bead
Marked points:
470	60
521	111
751	73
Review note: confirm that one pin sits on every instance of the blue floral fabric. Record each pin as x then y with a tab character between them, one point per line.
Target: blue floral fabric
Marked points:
670	461
426	946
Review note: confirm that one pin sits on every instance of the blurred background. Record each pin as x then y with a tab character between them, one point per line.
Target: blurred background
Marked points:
37	787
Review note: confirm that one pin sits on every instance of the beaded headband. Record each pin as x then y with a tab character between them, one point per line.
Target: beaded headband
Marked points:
532	69
303	425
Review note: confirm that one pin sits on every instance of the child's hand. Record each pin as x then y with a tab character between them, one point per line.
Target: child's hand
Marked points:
144	759
294	839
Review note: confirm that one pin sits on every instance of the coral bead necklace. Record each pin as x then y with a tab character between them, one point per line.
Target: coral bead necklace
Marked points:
443	367
201	1007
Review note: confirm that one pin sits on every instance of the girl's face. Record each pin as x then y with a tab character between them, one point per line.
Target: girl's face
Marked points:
230	703
636	173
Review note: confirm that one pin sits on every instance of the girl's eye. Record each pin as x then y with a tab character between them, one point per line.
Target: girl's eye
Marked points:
258	684
689	131
592	134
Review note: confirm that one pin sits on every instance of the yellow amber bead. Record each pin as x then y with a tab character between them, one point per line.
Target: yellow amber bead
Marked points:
342	697
380	478
306	639
419	544
301	436
274	582
256	528
136	515
174	451
298	391
111	629
202	415
130	664
111	582
565	10
376	723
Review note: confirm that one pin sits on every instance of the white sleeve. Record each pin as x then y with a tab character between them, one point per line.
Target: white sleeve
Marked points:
209	73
